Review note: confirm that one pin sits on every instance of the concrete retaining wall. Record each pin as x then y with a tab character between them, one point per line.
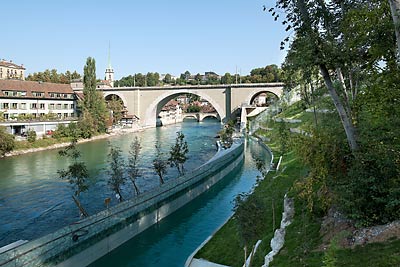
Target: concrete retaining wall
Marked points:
105	231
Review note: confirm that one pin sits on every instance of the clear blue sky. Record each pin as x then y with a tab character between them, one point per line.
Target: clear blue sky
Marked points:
167	36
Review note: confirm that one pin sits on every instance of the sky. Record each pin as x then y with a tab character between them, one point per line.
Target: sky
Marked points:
164	36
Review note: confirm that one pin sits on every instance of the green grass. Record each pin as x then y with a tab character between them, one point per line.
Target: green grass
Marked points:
225	248
377	255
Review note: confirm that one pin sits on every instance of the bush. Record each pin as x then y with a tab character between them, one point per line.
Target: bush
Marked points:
31	136
7	142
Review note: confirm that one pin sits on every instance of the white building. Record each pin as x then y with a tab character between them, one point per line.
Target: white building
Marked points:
26	101
10	70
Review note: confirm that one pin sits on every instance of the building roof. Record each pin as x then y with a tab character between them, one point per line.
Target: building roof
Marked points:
10	64
31	86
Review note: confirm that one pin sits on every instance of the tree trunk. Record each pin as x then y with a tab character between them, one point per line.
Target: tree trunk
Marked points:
344	117
161	178
80	207
395	9
136	188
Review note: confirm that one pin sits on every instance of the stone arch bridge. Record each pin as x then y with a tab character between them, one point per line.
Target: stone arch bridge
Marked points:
147	102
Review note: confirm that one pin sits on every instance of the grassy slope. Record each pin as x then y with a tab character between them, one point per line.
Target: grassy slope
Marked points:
303	236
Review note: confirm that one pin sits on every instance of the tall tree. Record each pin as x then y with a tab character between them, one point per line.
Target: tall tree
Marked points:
93	101
76	174
133	168
178	153
316	28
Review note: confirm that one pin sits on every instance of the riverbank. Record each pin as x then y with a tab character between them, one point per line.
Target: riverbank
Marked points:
114	132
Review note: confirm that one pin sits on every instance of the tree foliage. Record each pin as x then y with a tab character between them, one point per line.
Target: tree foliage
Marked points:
53	76
178	153
133	168
160	164
94	106
7	142
116	171
76	173
249	217
115	105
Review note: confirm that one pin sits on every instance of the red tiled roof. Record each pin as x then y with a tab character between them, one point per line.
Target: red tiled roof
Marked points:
30	86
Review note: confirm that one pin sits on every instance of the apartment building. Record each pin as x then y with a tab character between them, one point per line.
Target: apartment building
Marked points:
26	101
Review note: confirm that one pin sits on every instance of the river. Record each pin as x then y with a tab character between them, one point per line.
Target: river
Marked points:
34	201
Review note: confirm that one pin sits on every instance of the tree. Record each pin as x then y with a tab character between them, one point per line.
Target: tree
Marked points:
7	142
249	217
53	76
178	153
116	106
31	136
227	78
76	174
116	172
133	169
160	164
93	101
167	78
316	28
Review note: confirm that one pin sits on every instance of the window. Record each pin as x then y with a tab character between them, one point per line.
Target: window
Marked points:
58	106
6	106
72	106
59	115
51	106
22	106
33	106
65	115
41	106
52	94
58	95
72	115
37	94
14	106
65	95
65	106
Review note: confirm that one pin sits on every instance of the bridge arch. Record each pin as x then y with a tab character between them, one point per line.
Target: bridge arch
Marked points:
109	95
155	107
209	115
190	116
258	94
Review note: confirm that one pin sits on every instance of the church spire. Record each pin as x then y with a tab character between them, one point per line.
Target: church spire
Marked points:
109	55
109	70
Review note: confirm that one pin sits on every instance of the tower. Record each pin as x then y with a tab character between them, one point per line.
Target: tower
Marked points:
109	70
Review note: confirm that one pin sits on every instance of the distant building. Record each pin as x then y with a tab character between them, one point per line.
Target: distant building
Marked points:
10	70
22	102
